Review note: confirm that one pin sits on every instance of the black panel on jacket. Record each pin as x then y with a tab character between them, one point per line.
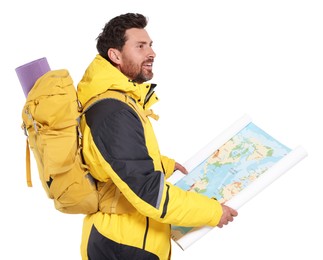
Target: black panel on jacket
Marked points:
119	135
102	248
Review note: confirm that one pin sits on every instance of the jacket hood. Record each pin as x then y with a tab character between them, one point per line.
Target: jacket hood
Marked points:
101	75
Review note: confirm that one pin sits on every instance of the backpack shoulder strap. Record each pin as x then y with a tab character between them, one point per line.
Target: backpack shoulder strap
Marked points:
107	94
119	95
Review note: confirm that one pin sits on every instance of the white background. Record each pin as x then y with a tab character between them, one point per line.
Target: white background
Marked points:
216	60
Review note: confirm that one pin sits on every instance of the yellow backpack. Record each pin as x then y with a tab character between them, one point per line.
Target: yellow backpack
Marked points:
51	117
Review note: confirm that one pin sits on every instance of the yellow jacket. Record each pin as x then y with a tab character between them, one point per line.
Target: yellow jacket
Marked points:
137	204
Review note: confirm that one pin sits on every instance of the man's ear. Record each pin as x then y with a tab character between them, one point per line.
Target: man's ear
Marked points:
114	55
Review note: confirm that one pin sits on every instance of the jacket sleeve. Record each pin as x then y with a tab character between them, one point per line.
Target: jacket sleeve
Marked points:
168	166
119	146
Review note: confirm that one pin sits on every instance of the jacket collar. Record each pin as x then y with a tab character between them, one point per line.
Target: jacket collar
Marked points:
101	76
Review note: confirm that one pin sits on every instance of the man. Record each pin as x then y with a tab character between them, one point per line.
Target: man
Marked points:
137	204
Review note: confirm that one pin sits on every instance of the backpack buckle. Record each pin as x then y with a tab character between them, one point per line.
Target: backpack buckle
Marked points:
23	126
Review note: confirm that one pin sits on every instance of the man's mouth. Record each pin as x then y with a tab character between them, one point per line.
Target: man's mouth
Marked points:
148	65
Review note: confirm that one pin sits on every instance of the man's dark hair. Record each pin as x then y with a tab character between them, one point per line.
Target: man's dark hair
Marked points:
113	34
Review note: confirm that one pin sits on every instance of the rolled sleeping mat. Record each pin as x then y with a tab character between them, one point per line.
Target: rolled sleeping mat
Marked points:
30	72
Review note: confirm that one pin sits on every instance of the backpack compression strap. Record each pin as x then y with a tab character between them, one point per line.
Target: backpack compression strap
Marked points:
28	171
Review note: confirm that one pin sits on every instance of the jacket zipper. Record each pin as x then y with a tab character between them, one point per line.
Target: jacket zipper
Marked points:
165	203
150	93
146	233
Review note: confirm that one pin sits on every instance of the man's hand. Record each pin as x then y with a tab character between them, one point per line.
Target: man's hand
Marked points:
227	216
180	167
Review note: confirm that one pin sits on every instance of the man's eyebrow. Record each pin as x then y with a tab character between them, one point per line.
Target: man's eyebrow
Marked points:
145	42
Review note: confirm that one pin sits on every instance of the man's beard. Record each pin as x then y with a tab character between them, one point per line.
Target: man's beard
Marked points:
143	77
137	73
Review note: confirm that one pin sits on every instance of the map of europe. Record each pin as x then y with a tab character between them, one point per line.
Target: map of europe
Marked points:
232	167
